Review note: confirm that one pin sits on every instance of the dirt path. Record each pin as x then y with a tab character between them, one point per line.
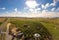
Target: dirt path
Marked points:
2	27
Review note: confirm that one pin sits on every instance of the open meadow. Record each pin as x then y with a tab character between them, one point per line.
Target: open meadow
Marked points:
46	27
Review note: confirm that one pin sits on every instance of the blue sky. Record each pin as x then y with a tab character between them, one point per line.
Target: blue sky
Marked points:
27	7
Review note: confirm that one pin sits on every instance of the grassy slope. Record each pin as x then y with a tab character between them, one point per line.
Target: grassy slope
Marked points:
50	24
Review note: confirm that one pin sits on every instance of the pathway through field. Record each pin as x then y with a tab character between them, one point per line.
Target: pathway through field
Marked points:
3	26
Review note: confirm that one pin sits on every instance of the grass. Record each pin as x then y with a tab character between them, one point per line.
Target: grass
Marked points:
51	26
0	23
2	19
35	27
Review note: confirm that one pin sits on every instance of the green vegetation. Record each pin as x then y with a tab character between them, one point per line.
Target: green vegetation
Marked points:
34	26
0	23
43	26
53	26
2	20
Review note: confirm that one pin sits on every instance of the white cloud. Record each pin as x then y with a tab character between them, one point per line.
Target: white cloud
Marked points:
55	1
31	10
45	6
42	6
57	9
48	5
50	14
52	4
44	14
38	9
25	8
31	6
52	9
31	3
3	8
15	10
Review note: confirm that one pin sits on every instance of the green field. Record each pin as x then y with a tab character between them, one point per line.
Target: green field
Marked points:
51	24
43	26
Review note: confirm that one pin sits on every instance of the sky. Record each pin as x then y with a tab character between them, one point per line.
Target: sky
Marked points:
29	8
